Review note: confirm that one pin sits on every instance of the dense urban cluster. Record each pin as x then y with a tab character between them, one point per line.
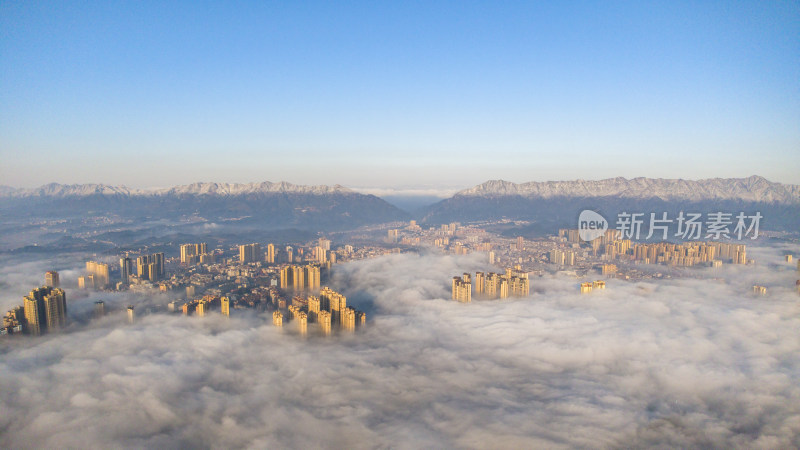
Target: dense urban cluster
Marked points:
513	283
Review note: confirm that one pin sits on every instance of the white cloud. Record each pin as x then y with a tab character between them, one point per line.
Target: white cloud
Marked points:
675	363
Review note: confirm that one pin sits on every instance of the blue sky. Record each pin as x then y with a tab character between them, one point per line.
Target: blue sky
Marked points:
397	94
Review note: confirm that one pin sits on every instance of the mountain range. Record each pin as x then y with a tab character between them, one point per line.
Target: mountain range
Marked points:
751	189
284	204
558	203
266	204
215	189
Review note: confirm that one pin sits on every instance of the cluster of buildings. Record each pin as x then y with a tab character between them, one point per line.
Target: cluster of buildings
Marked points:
567	252
151	267
250	253
321	254
148	268
44	309
300	277
202	306
462	288
97	277
192	254
686	254
329	310
513	283
587	287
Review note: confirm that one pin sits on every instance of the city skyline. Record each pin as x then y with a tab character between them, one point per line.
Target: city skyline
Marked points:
394	95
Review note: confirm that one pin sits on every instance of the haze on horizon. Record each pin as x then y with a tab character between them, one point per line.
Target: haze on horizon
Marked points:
397	95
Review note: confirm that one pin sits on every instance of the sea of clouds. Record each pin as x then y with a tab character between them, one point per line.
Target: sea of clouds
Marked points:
684	363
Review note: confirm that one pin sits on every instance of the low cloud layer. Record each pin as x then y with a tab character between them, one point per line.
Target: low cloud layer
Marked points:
677	363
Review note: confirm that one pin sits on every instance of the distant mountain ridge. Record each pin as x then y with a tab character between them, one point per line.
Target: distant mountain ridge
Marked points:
259	205
218	189
554	204
751	189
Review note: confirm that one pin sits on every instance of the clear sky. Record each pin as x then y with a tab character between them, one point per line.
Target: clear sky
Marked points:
395	94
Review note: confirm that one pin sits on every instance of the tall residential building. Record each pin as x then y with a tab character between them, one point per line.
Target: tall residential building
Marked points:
324	320
320	255
512	283
193	253
151	267
313	308
152	272
349	319
291	312
504	288
462	289
51	279
131	314
202	308
302	322
277	318
334	302
289	254
34	315
361	318
741	256
187	251
492	284
86	282
312	276
286	273
225	306
519	285
100	272
298	277
249	253
55	306
45	309
125	269
480	283
270	253
562	257
99	309
325	243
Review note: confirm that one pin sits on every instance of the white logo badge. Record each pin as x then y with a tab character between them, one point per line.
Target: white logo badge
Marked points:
591	225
